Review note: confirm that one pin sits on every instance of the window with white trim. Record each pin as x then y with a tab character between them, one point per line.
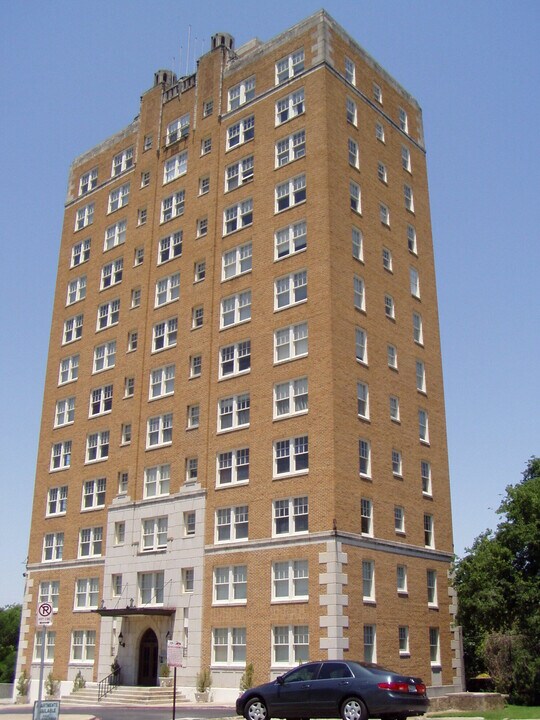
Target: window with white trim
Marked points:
197	317
397	463
384	214
104	356
235	309
370	644
204	185
170	247
50	642
167	290
73	328
88	181
208	107
352	112
291	456
403	120
418	332
232	467
118	198
206	145
97	446
101	400
350	71
290	290
357	244
49	591
241	132
173	206
76	290
93	494
154	534
359	293
431	580
382	173
115	235
108	314
291	398
235	359
364	458
86	593
159	430
230	584
151	588
401	579
53	547
238	216
145	178
83	645
290	66
177	129
232	524
290	193
157	480
290	516
111	273
434	647
425	475
122	161
192	469
188	580
290	148
290	106
355	197
119	532
291	342
414	281
236	261
387	259
162	381
429	534
125	434
57	501
366	517
391	353
241	94
362	396
84	216
379	132
399	519
290	240
403	640
193	416
389	307
175	166
239	173
423	426
405	158
394	408
80	252
290	645
116	585
202	227
229	646
290	580
361	345
61	455
353	153
409	198
377	93
69	369
190	523
420	376
233	412
368	581
90	542
164	334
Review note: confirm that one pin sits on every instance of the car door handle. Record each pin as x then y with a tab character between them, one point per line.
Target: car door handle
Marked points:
344	682
306	685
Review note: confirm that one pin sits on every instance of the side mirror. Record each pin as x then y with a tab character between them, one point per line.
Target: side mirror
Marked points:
279	680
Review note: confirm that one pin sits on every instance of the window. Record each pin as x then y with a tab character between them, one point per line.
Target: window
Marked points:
57	501
192	469
229	646
116	585
94	494
115	235
86	593
290	193
357	244
84	217
399	519
291	148
429	535
403	120
401	579
238	216
133	339
175	167
350	71
387	259
352	112
423	426
411	239
233	412
391	352
290	645
361	345
370	648
80	252
359	293
290	106
418	332
241	132
206	145
53	547
159	430
197	317
136	298
235	309
64	412
177	129
241	93
69	369
354	153
164	334
384	214
50	642
193	416
145	178
397	463
108	314
291	342
90	542
104	356
291	456
368	580
355	197
236	261
119	533
420	376
204	185
157	480
403	640
291	398
290	66
366	517
118	198
406	158
76	290
377	93
235	359
362	394
414	282
230	584
394	408
379	132
208	108
173	206
232	467
61	455
49	591
382	173
431	579
111	273
195	366
239	173
291	516
202	227
88	181
188	580
389	307
83	643
122	161
170	247
125	438
290	580
364	456
97	446
154	534
290	290
434	647
151	586
101	400
425	474
290	240
232	524
409	199
189	523
167	290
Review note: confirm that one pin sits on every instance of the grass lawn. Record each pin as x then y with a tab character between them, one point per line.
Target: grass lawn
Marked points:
512	712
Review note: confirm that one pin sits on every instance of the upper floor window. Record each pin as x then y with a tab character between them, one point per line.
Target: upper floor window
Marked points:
84	216
290	516
291	342
406	158
111	273
418	331
431	577
241	132
355	197
361	345
122	161
425	473
101	400
290	106
357	244
208	108
423	426
368	580
289	66
49	590
235	309
230	584
241	93
353	153
290	290
69	369
233	412
57	501
164	334
290	193
411	239
429	535
76	290
232	467
88	181
364	457
236	261
90	542
154	534
350	71
115	235
291	456
206	145
291	398
177	129
167	289
80	252
175	167
73	328
389	307
362	394
377	93
86	593
359	293
94	494
108	314
408	197
414	281
239	173
384	214
119	197
379	132
391	355
232	524
290	239
53	547
97	446
290	580
159	430
170	247
238	216
291	148
162	381
366	517
64	412
352	112
235	359
403	120
173	206
151	587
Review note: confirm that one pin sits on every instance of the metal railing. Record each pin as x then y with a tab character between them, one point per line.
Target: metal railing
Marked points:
108	683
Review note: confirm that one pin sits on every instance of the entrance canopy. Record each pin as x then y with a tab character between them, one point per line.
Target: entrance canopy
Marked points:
130	611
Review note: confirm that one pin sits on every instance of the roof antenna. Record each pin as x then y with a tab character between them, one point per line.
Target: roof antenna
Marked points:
187	55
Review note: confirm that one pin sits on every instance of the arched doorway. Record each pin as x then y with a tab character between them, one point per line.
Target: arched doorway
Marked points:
148	659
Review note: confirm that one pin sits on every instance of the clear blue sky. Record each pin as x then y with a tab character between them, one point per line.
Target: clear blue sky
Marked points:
71	74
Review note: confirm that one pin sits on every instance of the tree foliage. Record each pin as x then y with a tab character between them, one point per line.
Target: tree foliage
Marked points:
10	620
498	587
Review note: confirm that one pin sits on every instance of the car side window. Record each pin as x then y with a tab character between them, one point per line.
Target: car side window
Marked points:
302	673
333	670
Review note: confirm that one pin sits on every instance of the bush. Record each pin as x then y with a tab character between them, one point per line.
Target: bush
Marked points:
23	683
204	680
51	685
78	682
246	681
164	670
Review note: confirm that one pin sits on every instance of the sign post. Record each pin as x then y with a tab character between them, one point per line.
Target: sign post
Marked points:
175	657
44	618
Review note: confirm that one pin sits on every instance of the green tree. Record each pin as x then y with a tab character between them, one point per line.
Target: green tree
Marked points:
498	587
10	621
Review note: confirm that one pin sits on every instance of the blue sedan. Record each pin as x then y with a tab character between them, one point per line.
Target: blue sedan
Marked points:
336	688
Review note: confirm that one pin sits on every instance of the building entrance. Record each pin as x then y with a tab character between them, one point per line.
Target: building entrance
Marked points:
148	659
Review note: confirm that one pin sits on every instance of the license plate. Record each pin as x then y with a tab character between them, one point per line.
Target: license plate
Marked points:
412	688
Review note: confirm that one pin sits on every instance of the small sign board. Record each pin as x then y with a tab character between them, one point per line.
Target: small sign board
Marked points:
44	614
175	654
46	710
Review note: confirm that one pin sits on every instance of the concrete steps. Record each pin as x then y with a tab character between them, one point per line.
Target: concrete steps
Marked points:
124	695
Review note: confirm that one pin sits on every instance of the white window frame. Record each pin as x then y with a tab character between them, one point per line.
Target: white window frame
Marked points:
86	596
411	240
157	480
239	173
173	206
193	416
432	593
353	153
76	290
232	467
229	647
292	340
235	359
425	476
290	148
429	531
230	585
397	463
414	282
370	643
357	240
351	112
165	334
368	581
389	307
361	351
379	132
418	329
241	93
167	290
394	408
53	547
68	370
84	216
104	357
290	645
355	197
290	106
290	240
366	517
151	588
175	167
115	235
290	290
241	132
118	198
57	498
94	493
90	543
350	71
83	647
362	400
291	456
111	273
377	93
101	401
236	261
364	458
161	381
399	519
177	129
154	532
391	354
235	309
237	217
420	376
122	161
359	293
290	581
88	181
49	591
108	314
97	446
408	197
423	426
406	158
170	247
73	329
233	413
291	398
290	66
387	260
290	193
401	580
290	516
231	524
80	252
403	120
60	455
384	214
159	431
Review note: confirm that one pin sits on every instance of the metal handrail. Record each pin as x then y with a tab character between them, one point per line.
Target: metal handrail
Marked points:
108	683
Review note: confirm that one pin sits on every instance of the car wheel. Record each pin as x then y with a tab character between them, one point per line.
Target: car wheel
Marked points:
353	709
256	710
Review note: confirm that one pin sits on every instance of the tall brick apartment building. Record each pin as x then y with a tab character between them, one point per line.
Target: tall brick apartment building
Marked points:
243	442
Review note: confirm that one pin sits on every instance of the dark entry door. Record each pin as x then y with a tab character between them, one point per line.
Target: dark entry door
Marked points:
148	659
